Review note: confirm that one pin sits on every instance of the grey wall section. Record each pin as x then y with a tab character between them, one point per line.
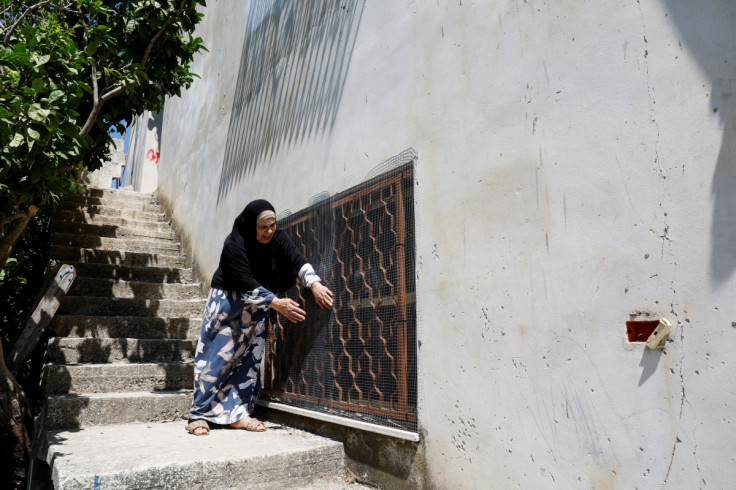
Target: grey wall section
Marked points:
141	171
102	177
576	171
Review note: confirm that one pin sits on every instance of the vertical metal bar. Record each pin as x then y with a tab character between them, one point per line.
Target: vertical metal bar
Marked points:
403	391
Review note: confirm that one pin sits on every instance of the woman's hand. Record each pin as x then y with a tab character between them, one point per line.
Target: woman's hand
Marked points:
289	308
322	295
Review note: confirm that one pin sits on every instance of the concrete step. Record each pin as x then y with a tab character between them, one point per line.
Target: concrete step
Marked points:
90	409
138	327
141	221
167	258
110	378
140	229
169	275
82	202
165	456
151	245
65	350
88	213
112	288
106	192
91	306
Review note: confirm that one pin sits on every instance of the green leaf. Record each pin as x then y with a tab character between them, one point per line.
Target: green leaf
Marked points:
40	60
130	26
33	134
69	129
38	85
56	95
37	113
16	141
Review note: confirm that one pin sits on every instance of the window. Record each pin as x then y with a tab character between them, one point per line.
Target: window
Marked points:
357	361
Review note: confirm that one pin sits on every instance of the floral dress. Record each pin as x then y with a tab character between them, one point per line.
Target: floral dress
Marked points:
231	344
227	363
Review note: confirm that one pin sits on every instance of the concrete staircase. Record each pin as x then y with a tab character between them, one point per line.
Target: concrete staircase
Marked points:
119	365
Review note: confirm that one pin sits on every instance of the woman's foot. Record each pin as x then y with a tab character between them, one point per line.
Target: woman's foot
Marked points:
198	427
249	423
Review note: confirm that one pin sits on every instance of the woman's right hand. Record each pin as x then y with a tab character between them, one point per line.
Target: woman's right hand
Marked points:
289	308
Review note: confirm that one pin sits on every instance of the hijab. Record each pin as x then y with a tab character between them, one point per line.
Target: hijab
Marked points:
246	264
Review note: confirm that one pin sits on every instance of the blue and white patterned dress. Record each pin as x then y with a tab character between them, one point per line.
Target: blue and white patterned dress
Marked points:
230	349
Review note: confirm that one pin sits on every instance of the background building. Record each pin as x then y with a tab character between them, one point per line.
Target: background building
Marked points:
573	170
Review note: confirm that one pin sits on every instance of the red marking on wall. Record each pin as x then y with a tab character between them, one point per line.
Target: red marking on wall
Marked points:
153	156
639	331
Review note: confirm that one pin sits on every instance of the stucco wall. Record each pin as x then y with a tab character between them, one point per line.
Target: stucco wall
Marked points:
576	171
102	177
141	172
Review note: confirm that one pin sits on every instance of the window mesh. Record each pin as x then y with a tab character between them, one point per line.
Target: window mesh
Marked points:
359	359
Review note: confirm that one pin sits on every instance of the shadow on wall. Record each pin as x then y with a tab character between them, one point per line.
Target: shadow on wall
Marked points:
148	128
707	30
292	71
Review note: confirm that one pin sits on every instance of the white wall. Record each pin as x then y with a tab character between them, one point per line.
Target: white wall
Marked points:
576	170
103	176
141	172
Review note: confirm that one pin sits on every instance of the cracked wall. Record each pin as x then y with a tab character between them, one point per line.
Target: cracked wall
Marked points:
576	170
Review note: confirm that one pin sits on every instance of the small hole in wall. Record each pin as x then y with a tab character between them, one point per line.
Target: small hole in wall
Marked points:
640	330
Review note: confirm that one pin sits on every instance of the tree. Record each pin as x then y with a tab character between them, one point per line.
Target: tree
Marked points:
71	70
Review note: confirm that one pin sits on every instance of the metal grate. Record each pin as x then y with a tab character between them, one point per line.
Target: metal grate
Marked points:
358	360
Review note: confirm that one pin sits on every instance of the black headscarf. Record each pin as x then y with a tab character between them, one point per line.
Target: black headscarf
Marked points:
246	264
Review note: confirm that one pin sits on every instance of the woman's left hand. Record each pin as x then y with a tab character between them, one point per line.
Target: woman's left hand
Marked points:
322	295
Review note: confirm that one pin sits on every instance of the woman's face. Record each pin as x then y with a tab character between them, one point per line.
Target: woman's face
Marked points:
265	230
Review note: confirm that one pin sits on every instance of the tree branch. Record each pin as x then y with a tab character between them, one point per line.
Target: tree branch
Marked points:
160	32
9	219
98	101
30	9
8	242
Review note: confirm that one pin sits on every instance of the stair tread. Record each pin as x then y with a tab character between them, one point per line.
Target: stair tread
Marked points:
137	455
140	273
125	365
130	258
122	288
126	394
57	237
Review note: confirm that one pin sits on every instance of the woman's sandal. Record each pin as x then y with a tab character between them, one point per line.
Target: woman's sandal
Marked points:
201	424
249	423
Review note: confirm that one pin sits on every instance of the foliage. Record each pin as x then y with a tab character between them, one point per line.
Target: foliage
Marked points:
70	71
23	277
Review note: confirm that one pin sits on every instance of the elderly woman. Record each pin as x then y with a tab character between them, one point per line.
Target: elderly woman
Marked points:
257	263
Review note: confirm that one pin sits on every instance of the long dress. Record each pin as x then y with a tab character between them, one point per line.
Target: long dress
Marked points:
232	339
229	353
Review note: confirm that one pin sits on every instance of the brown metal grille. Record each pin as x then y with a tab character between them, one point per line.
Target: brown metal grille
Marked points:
358	360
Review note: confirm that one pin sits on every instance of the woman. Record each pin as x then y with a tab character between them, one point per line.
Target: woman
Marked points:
257	263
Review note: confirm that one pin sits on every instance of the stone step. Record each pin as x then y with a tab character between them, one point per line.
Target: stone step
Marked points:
165	456
168	258
91	306
92	212
138	327
112	288
156	246
90	409
110	378
103	228
64	350
133	273
141	221
109	231
81	202
106	192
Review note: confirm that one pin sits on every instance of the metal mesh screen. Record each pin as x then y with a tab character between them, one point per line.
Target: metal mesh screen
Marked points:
358	360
